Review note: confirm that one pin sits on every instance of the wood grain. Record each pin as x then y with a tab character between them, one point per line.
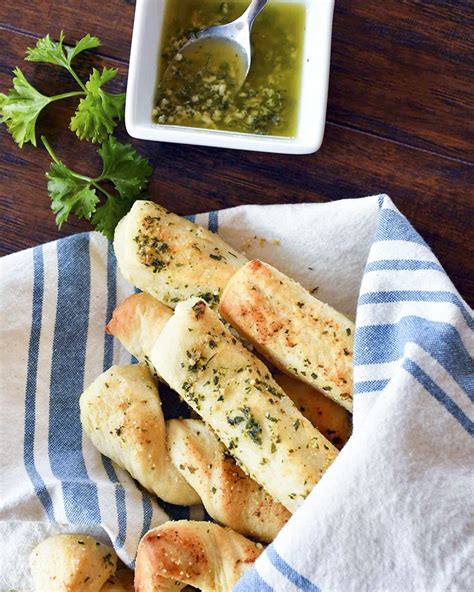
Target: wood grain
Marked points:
382	136
403	69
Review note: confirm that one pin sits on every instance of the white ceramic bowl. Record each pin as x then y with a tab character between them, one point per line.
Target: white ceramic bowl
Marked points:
143	73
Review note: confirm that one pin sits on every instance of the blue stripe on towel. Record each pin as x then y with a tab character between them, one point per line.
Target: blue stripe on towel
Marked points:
147	513
402	265
393	226
67	381
376	344
252	582
120	501
370	386
213	223
417	296
111	304
30	394
439	394
290	574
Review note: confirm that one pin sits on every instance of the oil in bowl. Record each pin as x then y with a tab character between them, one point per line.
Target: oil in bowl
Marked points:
199	90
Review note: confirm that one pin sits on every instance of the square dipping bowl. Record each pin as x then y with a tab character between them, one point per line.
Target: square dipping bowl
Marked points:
143	82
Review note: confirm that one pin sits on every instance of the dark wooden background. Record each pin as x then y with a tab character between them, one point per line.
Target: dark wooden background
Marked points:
400	121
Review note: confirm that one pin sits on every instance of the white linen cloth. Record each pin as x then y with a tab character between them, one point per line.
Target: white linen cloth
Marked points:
394	511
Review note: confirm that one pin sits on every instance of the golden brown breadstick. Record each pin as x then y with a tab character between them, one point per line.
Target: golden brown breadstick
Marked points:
299	334
332	420
67	562
195	454
121	413
228	494
141	316
171	258
137	322
201	554
234	393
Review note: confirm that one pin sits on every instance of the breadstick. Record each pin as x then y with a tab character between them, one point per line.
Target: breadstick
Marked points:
141	316
67	562
234	393
137	322
332	420
228	494
299	334
121	413
171	258
200	554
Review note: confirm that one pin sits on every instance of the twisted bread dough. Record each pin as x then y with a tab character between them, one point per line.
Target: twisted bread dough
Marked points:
228	494
121	413
72	563
201	554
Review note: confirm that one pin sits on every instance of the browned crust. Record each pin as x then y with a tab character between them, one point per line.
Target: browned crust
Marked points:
237	491
277	316
192	553
258	310
332	420
124	318
137	322
229	495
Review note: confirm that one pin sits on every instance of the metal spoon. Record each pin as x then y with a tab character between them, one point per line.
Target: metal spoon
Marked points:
236	34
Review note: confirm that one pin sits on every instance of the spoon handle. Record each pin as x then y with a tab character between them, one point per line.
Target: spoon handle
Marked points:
255	8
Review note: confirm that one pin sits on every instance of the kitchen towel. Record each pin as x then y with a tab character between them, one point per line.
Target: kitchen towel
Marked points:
394	511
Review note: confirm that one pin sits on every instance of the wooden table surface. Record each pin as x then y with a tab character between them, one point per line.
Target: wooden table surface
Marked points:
399	121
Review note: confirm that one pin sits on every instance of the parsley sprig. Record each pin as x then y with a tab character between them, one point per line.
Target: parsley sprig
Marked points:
103	199
97	113
20	109
74	193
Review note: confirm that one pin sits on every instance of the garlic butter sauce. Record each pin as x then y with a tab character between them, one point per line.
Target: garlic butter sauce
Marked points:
199	87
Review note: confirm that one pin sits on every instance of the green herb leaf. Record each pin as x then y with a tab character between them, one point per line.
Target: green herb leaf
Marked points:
98	112
54	52
107	216
128	171
95	119
87	42
70	193
48	51
78	194
19	109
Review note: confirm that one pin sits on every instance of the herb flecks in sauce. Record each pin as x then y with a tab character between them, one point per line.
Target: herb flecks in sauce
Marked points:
200	91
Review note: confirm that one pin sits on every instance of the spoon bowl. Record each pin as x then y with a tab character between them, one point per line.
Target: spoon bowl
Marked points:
229	43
